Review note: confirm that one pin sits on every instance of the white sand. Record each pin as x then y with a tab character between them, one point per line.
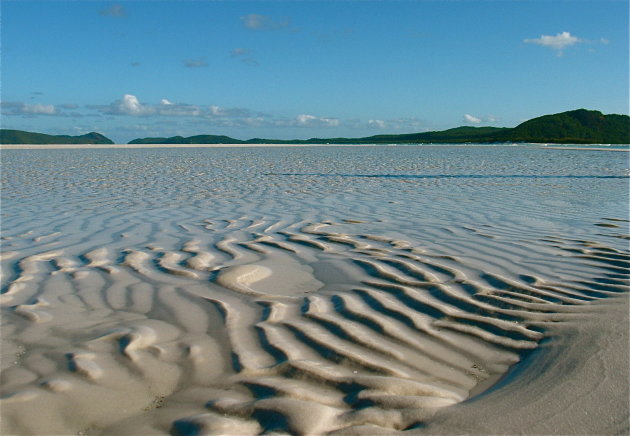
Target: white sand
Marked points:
575	384
194	293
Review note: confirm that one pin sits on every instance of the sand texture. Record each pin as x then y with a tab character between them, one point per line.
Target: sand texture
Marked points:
314	291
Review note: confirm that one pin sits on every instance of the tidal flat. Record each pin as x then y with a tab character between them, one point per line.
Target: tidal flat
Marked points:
314	290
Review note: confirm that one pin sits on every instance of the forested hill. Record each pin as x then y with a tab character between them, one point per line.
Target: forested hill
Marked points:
198	139
21	137
574	127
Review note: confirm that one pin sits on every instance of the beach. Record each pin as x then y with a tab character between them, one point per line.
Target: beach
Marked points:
314	290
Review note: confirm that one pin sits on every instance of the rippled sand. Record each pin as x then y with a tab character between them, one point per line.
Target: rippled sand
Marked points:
314	290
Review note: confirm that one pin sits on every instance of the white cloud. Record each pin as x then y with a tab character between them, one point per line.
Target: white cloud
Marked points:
130	105
377	123
471	119
263	22
558	42
313	121
305	119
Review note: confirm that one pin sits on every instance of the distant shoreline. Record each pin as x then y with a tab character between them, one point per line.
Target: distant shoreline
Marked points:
123	146
577	127
589	147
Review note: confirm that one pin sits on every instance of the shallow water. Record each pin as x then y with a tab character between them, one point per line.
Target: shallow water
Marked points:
227	290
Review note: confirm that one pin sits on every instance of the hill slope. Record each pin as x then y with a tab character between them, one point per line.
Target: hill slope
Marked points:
578	127
22	137
198	139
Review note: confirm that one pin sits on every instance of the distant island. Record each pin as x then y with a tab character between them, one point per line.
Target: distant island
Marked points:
579	126
21	137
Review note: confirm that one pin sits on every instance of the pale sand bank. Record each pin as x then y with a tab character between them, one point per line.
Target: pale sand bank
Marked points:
575	384
106	146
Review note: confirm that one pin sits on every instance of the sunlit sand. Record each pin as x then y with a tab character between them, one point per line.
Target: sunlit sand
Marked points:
437	290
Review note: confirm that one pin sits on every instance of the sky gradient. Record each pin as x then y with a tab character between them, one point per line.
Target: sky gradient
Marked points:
304	69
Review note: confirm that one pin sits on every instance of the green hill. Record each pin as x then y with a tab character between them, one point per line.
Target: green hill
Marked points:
198	139
457	134
22	137
580	126
574	127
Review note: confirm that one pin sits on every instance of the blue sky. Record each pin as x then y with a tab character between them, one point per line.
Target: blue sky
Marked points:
299	69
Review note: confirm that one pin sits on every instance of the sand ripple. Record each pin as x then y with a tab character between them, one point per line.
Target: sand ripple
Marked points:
256	321
233	293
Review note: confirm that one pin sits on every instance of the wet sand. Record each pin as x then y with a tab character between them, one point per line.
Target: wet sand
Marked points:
251	291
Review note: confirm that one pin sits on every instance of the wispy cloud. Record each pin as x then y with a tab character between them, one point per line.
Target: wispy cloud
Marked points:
15	108
558	42
241	52
315	121
264	22
130	105
113	11
218	111
245	55
380	124
195	63
471	119
405	124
